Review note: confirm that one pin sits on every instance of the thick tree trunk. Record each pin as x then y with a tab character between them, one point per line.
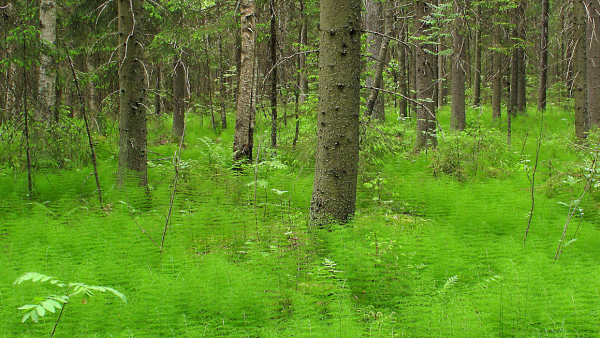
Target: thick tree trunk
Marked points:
47	72
375	23
593	63
273	54
458	117
243	141
579	69
179	76
132	113
380	64
425	74
336	167
497	67
543	84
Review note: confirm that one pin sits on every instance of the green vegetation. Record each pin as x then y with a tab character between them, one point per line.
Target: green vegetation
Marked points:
435	250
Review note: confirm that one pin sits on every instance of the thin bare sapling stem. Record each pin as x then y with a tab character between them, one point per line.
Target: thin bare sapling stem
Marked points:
537	156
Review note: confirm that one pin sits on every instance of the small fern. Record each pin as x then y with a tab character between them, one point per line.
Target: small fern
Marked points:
451	281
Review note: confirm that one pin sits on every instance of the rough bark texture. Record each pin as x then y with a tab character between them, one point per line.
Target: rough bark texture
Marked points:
543	84
132	113
477	66
593	62
425	86
579	69
497	68
178	100
47	72
243	140
336	167
375	23
273	54
378	76
458	117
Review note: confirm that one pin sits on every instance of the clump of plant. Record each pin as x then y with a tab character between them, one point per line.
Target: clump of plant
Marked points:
53	302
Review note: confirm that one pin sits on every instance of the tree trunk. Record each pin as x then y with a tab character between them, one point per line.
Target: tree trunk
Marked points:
425	75
374	22
179	75
302	78
273	52
497	66
132	113
402	87
593	63
579	69
336	167
47	73
543	84
477	66
458	117
521	66
222	88
243	141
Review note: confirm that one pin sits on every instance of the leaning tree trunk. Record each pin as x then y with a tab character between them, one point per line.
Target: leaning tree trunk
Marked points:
543	84
47	73
579	69
593	63
243	140
458	116
132	113
374	23
425	74
336	167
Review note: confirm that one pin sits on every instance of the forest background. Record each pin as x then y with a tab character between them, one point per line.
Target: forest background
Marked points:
166	150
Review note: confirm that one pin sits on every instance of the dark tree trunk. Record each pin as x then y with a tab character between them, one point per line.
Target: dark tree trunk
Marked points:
243	141
336	167
425	61
579	69
543	84
302	78
374	22
458	117
178	99
477	66
521	66
402	86
132	113
273	52
497	66
379	65
593	63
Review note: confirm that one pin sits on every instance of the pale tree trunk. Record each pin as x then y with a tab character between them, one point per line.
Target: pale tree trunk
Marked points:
458	116
336	166
497	66
273	52
243	141
132	112
379	65
302	78
579	69
425	74
47	71
374	23
402	87
477	66
543	84
179	96
593	63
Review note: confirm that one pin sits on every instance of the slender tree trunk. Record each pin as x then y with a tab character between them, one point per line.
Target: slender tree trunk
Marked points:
514	76
402	86
48	69
132	113
521	66
380	64
222	88
458	118
425	74
579	69
497	66
543	84
158	91
302	78
441	72
179	76
593	63
336	166
477	66
374	22
273	52
243	141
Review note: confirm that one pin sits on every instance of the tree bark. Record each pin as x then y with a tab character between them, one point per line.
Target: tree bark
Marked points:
521	66
47	70
458	116
336	167
579	69
243	141
375	23
273	52
543	84
425	74
132	113
302	78
497	66
179	91
402	86
477	66
593	63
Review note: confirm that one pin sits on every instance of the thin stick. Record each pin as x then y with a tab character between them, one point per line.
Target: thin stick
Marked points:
62	309
537	156
87	127
176	161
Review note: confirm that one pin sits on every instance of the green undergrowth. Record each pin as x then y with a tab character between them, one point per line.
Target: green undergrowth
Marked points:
436	248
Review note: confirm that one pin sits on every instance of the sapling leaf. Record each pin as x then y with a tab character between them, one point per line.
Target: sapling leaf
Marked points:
40	310
27	307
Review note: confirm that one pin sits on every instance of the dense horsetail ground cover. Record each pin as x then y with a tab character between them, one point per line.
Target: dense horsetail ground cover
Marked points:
436	248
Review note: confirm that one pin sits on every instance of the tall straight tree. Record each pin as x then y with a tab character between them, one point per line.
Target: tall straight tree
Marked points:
374	23
497	65
543	84
48	69
593	62
243	140
477	66
273	54
458	117
425	68
336	167
179	91
302	93
132	113
579	69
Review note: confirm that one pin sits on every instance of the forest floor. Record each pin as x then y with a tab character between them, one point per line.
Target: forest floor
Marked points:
436	248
